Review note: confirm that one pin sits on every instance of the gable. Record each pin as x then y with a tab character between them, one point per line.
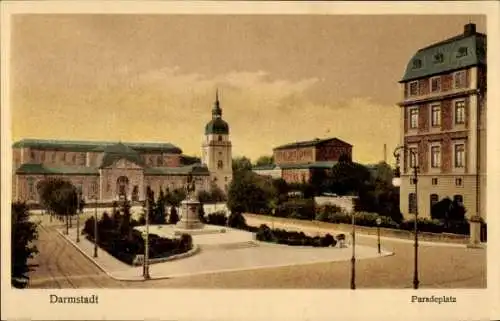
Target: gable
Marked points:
122	163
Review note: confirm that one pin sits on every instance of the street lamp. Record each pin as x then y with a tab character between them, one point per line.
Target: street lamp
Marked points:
378	221
146	245
397	182
95	227
78	197
353	258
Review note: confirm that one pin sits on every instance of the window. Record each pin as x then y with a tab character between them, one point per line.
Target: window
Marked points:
435	84
417	64
42	156
438	58
412	203
220	165
414	118
225	178
434	199
160	161
462	52
31	188
459	155
413	88
220	138
460	112
54	157
458	199
434	181
412	156
73	159
436	115
435	156
32	156
458	181
459	79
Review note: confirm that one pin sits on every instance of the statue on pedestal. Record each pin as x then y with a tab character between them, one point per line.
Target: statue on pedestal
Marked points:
190	187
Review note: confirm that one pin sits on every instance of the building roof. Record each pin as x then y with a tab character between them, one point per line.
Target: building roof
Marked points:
112	153
265	167
196	169
309	143
310	165
96	146
217	126
35	168
462	51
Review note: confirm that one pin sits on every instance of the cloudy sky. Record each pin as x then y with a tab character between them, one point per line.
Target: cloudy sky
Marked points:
281	78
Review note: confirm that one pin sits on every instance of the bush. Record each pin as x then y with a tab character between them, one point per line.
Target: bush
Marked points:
297	208
201	214
424	225
186	242
217	218
173	218
264	234
323	212
293	238
88	227
236	220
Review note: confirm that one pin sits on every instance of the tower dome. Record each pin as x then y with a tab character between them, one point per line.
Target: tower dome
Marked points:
217	125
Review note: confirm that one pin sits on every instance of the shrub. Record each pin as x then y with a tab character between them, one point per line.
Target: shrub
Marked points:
105	223
329	240
201	214
236	220
264	234
217	218
173	217
186	242
88	226
297	208
423	225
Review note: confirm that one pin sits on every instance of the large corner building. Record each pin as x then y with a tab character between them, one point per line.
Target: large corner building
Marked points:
106	170
443	122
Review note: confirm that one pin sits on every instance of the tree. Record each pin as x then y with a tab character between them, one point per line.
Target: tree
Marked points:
249	192
23	234
264	160
159	215
59	196
349	178
241	164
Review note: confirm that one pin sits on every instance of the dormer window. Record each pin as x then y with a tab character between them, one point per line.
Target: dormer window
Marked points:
417	63
438	58
462	52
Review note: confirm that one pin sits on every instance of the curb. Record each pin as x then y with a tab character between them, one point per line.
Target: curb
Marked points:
191	252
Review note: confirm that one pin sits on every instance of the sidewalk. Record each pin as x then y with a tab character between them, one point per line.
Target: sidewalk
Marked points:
323	228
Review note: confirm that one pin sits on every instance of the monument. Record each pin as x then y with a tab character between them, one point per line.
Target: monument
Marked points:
190	222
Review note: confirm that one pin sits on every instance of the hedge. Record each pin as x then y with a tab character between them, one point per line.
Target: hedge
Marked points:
280	236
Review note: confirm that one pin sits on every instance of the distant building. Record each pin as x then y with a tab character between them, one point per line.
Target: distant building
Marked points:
443	121
107	170
298	162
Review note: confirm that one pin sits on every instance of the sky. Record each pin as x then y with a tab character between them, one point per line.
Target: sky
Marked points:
152	78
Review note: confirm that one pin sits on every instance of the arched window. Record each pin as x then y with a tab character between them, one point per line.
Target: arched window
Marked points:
31	188
412	203
220	164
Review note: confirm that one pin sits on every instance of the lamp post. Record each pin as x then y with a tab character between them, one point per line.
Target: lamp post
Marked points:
353	258
146	245
397	182
95	228
378	221
78	197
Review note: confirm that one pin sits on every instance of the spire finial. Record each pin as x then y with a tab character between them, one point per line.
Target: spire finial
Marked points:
217	94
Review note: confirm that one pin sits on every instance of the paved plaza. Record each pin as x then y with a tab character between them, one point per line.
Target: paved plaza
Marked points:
234	250
442	265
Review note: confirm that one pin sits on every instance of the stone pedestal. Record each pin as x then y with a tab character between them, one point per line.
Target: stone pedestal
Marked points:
190	219
475	234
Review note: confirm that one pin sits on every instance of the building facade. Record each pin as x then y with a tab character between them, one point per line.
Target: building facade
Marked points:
106	170
298	162
443	123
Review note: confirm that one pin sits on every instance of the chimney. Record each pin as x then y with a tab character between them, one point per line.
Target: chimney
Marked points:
469	29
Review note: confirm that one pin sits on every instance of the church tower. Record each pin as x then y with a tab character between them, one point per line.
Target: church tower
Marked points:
216	148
